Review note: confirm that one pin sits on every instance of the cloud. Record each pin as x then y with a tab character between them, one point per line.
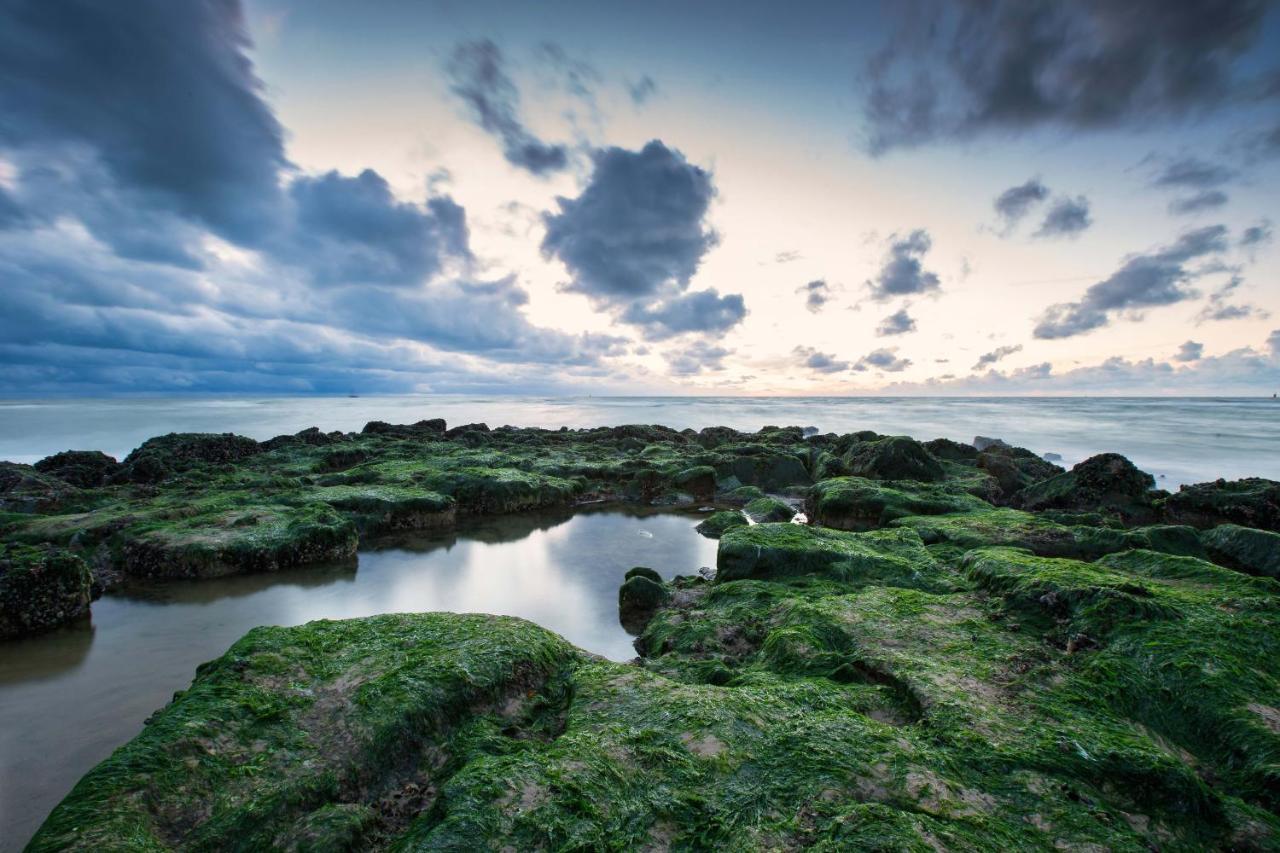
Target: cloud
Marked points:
897	323
1189	351
885	359
820	362
1256	235
1068	217
1193	173
817	294
1016	202
903	272
699	311
697	357
476	69
160	95
634	238
642	90
1218	308
995	355
1007	66
1273	342
1143	281
247	275
1201	201
1244	371
351	230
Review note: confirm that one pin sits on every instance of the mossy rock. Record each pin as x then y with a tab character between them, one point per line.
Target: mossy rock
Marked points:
895	457
41	588
639	598
856	503
1244	548
1251	502
699	481
23	489
766	509
1018	529
715	525
86	469
1107	482
774	551
160	458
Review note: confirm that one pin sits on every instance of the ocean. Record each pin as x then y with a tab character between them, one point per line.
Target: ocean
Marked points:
1179	440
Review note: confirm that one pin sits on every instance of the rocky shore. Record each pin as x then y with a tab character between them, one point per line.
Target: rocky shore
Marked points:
961	649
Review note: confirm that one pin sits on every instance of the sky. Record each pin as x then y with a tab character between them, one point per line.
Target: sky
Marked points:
730	198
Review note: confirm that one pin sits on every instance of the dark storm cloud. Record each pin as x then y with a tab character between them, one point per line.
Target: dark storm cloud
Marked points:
897	323
636	236
476	69
959	70
352	230
1156	278
987	359
700	311
1201	201
817	294
903	272
638	228
161	93
882	359
1189	351
1016	202
1068	217
642	90
820	362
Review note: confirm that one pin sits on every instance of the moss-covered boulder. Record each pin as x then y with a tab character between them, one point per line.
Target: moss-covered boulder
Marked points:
41	588
856	503
1251	502
25	489
951	451
641	594
772	551
239	540
157	459
84	468
699	481
718	523
894	457
1015	468
1107	483
767	509
1244	548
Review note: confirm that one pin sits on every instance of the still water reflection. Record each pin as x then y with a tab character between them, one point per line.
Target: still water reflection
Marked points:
69	698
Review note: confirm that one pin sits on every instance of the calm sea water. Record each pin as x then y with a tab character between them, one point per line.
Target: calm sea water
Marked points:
1180	440
69	698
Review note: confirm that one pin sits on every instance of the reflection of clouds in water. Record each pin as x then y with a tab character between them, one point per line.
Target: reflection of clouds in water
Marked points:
564	577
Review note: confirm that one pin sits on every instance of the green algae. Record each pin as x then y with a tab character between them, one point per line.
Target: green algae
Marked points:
718	523
856	503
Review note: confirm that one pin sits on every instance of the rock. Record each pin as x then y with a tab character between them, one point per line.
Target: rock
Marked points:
699	481
766	509
1015	468
642	572
893	458
24	489
715	525
639	598
776	551
1254	551
952	451
1251	502
1107	482
157	459
856	503
84	468
41	588
769	470
982	442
